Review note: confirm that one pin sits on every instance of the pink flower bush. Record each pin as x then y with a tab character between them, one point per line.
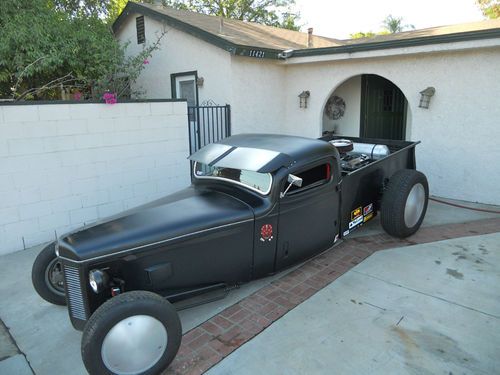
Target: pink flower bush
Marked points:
110	97
145	62
77	95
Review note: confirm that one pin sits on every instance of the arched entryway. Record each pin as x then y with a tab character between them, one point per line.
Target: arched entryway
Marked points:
368	106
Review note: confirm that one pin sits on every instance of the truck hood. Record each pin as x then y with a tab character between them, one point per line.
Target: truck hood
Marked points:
176	216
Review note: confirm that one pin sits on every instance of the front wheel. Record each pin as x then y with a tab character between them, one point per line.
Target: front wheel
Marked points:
47	276
404	203
136	332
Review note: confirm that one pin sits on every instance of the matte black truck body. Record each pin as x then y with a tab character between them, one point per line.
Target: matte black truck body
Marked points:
218	232
366	185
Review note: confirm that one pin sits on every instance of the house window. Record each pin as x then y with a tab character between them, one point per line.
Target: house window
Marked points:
184	87
139	25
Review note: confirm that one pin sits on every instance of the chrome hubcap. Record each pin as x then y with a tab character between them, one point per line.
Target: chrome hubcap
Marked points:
134	345
54	277
414	205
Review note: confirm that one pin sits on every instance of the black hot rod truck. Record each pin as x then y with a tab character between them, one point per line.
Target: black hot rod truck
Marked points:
257	205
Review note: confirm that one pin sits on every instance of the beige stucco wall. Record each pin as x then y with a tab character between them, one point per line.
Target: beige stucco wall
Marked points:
254	88
263	96
459	132
179	52
258	96
348	124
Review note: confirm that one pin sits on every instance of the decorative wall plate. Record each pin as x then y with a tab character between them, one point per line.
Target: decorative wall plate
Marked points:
335	107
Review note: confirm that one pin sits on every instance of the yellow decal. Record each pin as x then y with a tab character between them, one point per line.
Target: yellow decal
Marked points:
368	217
356	213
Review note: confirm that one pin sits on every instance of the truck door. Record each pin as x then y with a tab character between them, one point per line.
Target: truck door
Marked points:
309	215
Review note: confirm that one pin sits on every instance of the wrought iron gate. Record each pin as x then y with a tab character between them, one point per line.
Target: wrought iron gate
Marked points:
208	124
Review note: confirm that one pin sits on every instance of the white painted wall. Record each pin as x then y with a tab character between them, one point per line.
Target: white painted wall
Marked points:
63	165
227	79
350	91
258	96
459	132
179	52
263	96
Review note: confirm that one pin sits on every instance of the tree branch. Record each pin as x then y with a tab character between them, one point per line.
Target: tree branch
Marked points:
19	78
50	85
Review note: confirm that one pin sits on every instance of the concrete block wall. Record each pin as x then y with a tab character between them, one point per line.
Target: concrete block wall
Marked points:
65	165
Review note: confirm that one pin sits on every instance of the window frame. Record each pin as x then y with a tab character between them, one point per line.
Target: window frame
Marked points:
173	83
313	185
217	178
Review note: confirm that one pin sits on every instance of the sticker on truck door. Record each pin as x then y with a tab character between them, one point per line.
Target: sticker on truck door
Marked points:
356	217
368	209
355	222
356	213
368	217
266	232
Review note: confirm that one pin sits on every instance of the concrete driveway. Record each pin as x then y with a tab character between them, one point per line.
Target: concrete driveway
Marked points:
427	308
424	309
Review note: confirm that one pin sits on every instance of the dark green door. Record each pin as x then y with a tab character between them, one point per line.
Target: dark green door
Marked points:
383	109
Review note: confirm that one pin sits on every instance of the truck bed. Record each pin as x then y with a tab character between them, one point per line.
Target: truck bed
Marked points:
362	188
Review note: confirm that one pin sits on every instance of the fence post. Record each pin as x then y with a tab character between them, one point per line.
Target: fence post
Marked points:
228	120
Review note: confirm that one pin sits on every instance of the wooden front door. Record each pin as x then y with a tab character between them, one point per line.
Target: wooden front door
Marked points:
383	109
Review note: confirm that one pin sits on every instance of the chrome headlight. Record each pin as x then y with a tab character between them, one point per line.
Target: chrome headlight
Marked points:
98	280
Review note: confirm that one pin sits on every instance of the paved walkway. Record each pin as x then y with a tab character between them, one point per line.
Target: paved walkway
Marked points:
223	335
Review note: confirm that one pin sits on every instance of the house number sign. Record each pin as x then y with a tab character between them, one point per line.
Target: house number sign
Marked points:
256	53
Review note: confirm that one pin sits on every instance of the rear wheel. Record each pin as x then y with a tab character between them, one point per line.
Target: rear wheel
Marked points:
404	203
47	276
136	332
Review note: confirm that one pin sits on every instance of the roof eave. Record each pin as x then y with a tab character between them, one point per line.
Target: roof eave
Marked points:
233	48
269	53
402	43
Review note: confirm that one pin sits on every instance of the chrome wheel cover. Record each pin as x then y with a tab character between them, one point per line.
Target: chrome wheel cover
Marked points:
134	345
414	205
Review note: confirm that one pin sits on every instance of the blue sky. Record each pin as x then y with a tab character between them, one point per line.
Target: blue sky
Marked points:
339	18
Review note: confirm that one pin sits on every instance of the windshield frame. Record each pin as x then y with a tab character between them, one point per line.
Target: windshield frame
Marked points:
264	193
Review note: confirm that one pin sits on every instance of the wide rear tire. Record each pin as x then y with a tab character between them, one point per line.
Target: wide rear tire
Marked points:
136	332
404	203
47	276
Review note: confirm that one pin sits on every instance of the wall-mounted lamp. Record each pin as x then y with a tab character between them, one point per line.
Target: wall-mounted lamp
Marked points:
200	81
303	96
425	97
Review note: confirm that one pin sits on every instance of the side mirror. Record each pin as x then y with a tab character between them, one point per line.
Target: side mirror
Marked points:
292	181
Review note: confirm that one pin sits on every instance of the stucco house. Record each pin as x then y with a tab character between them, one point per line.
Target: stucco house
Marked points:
282	81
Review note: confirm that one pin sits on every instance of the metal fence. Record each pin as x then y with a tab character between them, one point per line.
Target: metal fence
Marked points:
208	124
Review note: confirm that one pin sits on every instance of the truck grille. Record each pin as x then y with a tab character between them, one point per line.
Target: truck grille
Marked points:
74	292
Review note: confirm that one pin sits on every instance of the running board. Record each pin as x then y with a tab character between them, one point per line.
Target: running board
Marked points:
200	296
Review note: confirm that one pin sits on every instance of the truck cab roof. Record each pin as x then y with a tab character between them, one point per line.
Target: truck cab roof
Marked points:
262	153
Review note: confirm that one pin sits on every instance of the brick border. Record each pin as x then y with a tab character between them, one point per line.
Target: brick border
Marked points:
210	342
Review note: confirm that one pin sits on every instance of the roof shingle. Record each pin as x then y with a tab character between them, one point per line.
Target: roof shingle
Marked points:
243	34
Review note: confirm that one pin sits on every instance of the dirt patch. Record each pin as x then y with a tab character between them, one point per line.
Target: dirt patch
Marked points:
455	274
417	345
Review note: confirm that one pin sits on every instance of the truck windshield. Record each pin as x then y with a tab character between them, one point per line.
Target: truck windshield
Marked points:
259	182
